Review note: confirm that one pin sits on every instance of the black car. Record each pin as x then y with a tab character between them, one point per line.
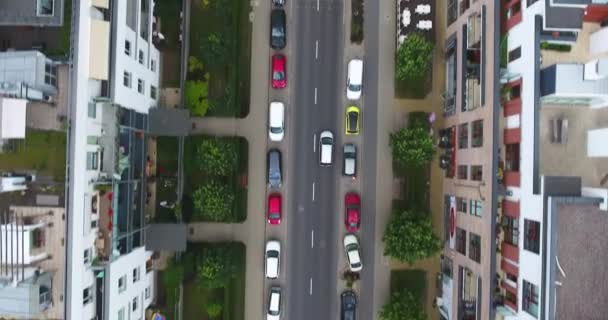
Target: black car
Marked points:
278	31
348	304
274	168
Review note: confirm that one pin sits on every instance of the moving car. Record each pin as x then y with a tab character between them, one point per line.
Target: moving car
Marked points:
351	247
350	160
352	120
274	168
273	259
274	209
348	305
279	75
278	32
352	212
274	304
354	80
276	121
326	148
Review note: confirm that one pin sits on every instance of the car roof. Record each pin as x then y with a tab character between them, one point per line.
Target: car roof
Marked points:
275	298
273	245
355	70
277	110
352	198
349	147
274	202
353	257
350	239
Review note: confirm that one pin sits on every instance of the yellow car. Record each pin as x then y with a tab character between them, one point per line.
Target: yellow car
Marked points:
352	120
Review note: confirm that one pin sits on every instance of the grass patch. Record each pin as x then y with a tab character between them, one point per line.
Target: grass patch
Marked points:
356	22
41	151
227	59
412	280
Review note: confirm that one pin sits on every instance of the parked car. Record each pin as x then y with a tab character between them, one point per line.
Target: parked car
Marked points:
352	212
350	160
326	148
279	74
352	120
273	259
274	168
351	247
354	80
276	121
274	304
274	209
348	305
278	30
278	3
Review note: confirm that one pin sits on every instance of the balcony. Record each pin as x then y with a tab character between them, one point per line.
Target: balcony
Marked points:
471	284
511	179
512	14
509	251
452	11
510	208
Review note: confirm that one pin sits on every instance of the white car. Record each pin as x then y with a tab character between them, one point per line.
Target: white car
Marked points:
354	80
274	304
326	148
351	246
273	259
276	121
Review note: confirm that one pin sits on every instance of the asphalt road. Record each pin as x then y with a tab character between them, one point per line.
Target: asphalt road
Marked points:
317	86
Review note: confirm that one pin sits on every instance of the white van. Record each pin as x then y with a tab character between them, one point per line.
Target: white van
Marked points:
326	148
354	80
276	121
274	304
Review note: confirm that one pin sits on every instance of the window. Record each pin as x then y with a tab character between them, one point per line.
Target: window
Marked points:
126	81
461	241
87	295
135	274
87	256
475	247
45	7
511	228
92	111
153	92
140	85
509	296
141	57
147	293
461	205
476	173
153	65
477	134
531	236
44	295
463	136
476	208
128	48
94	224
134	304
92	160
511	277
50	74
462	172
529	299
121	314
515	54
122	284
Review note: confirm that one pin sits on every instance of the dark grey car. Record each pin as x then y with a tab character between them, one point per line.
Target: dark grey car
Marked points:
278	30
348	305
274	168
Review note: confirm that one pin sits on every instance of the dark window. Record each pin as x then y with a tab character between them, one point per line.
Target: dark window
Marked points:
127	47
92	110
529	299
511	277
515	54
463	136
509	296
476	208
511	227
477	134
475	247
461	205
461	241
476	173
462	172
531	236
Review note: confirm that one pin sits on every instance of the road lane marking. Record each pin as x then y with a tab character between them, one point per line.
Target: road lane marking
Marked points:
317	49
314	143
317	5
313	191
312	238
310	290
315	95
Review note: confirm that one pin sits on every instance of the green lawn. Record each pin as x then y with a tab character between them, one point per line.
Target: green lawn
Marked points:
412	280
42	151
166	153
229	80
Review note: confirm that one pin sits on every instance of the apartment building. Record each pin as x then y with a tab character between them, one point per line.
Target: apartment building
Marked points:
114	79
37	13
469	188
553	162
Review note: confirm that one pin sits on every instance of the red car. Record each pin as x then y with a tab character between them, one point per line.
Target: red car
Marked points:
279	75
274	208
352	214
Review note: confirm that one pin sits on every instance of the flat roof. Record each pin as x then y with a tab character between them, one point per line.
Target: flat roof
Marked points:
12	118
31	12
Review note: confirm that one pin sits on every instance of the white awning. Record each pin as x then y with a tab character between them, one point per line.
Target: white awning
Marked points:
99	46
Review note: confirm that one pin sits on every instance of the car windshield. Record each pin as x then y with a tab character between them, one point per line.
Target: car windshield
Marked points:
276	129
326	140
354	87
352	121
278	75
273	254
277	32
274	215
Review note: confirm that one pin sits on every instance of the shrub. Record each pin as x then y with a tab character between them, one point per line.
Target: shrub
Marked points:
197	97
561	47
413	57
402	305
409	236
217	265
217	156
412	147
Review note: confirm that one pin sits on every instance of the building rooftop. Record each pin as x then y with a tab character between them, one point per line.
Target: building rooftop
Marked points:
31	12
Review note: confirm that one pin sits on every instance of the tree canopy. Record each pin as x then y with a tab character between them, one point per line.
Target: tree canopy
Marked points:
413	57
402	305
409	236
217	156
217	265
213	201
412	147
197	96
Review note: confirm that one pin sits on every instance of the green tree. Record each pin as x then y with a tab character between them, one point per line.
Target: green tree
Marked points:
214	308
409	236
217	48
402	305
217	156
197	97
195	65
217	265
413	57
412	147
213	202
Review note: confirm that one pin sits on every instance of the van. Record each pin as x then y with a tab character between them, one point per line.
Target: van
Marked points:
354	80
274	168
326	148
276	121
